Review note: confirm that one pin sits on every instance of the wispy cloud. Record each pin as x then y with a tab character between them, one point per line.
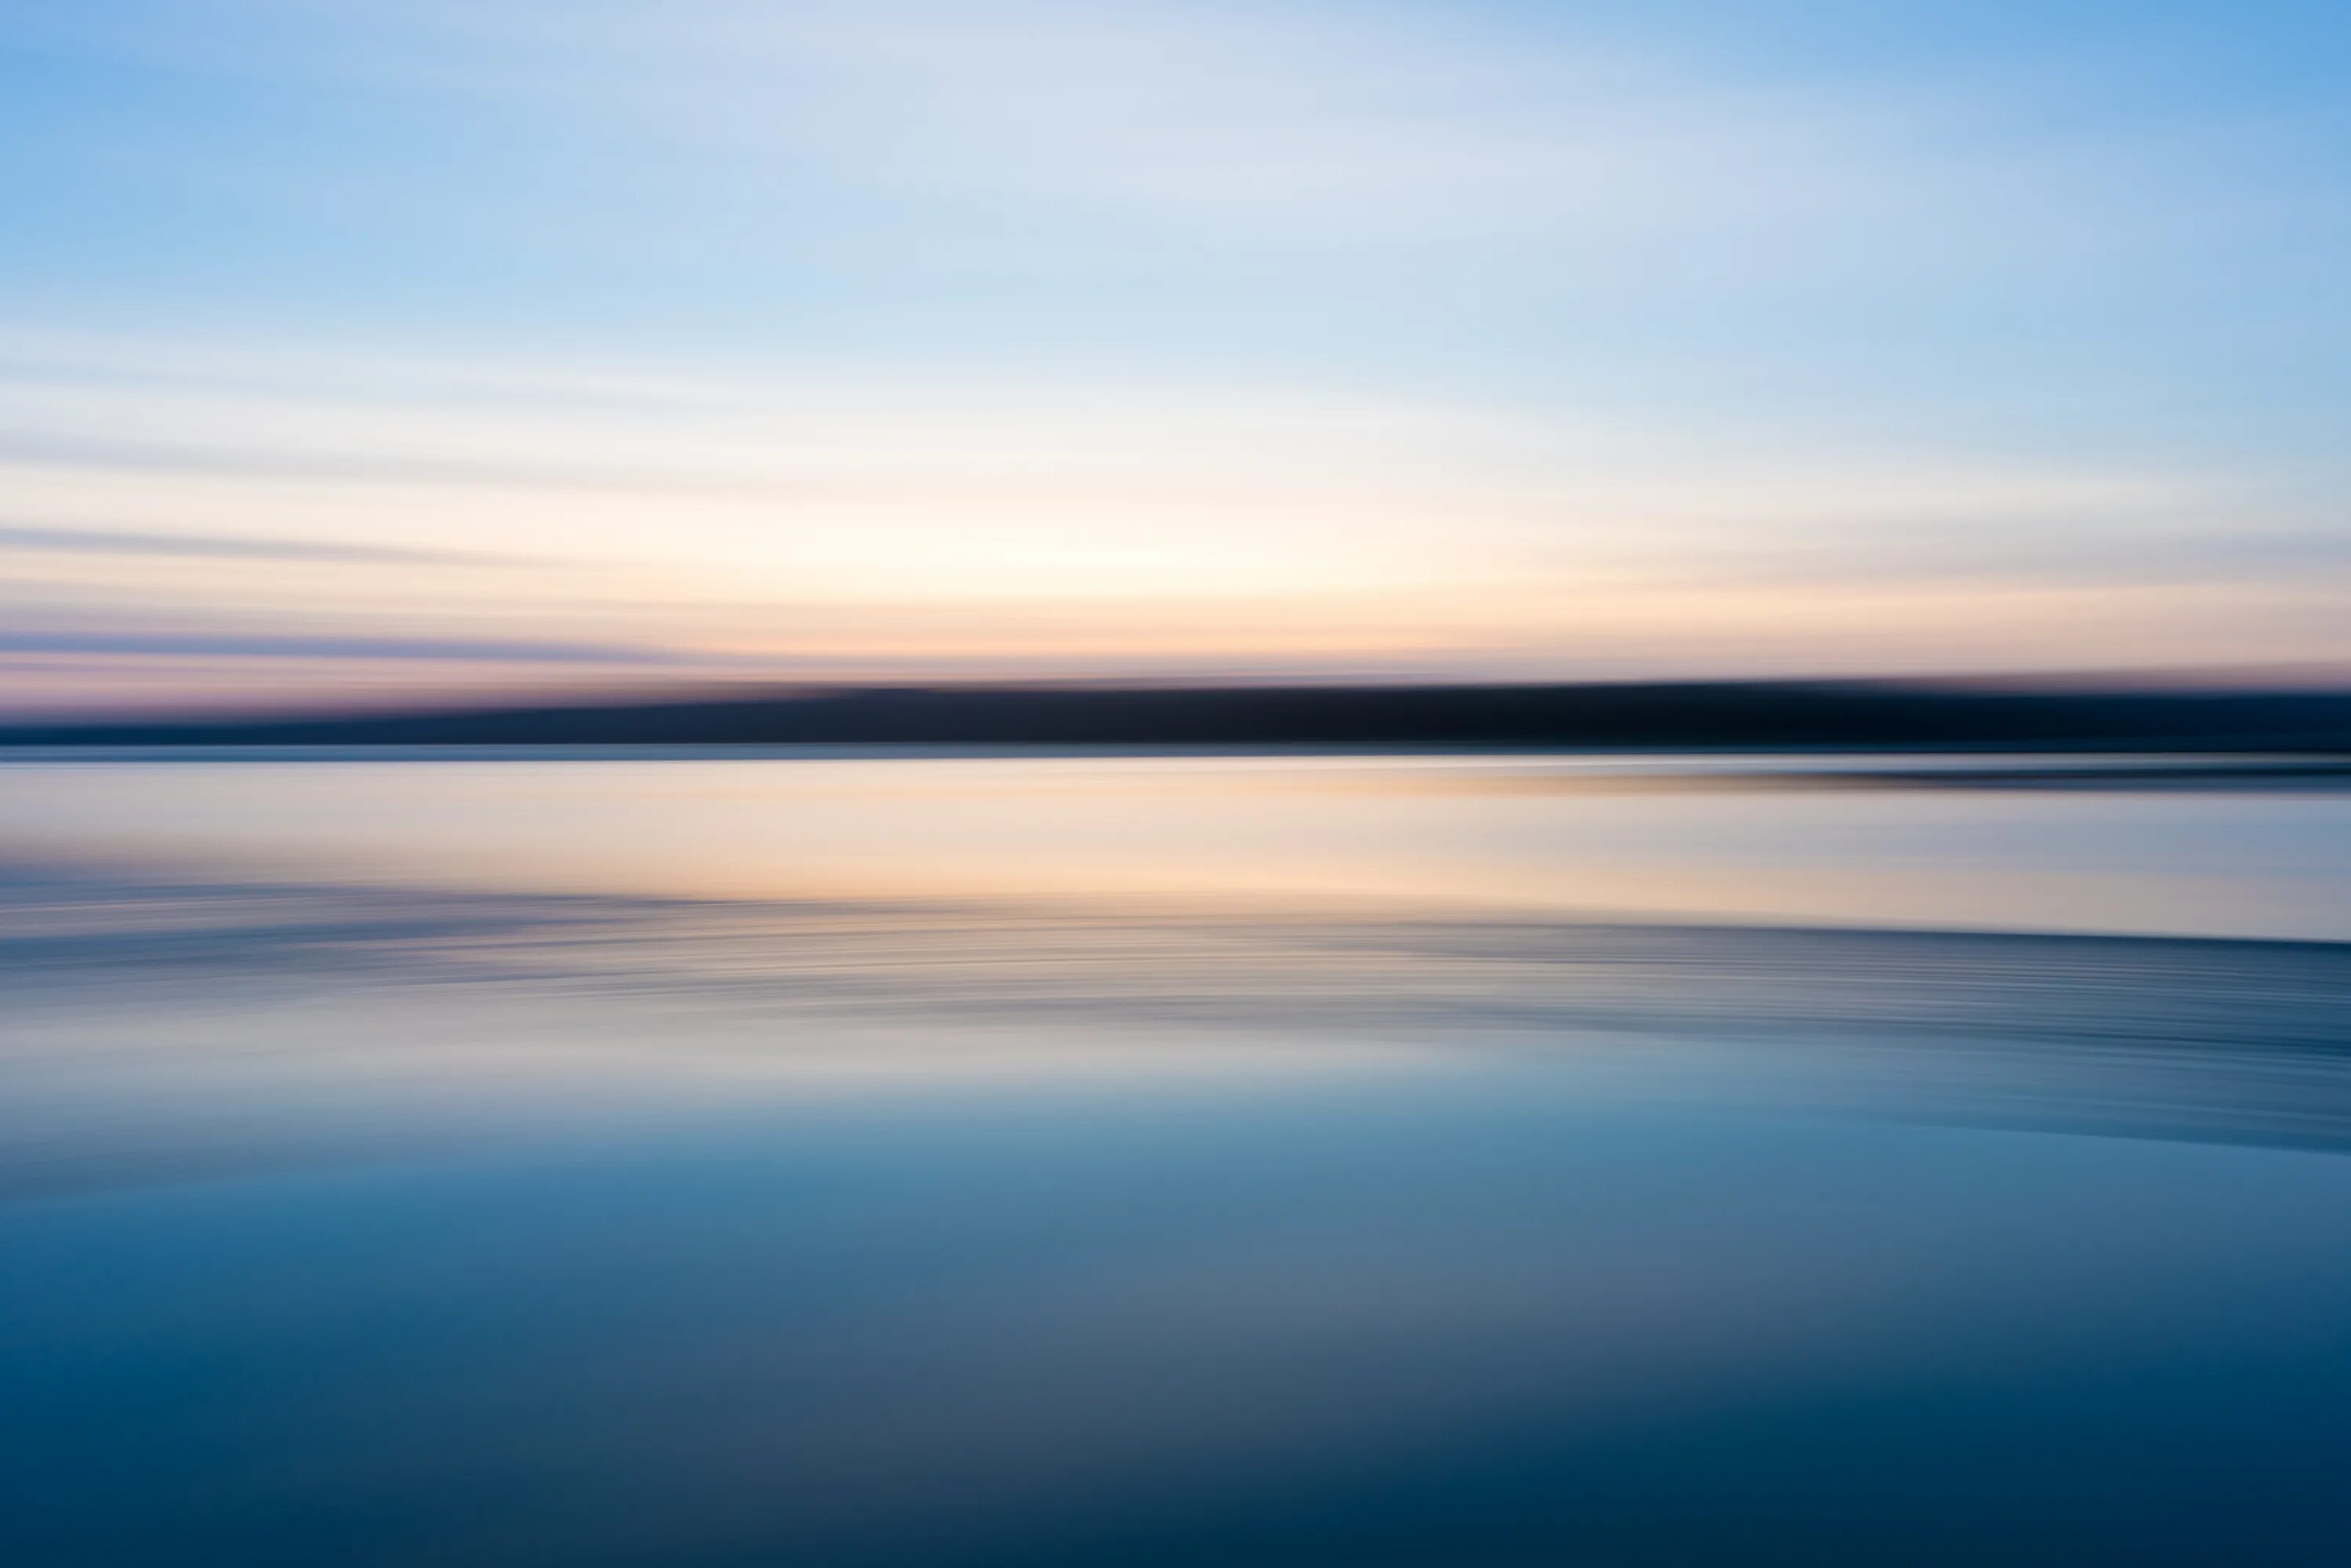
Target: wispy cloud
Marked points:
996	333
223	547
310	647
1315	123
963	488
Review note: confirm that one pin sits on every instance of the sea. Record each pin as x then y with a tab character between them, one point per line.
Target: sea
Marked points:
496	1159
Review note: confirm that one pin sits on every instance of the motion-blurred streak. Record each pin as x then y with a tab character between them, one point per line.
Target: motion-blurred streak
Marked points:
2201	1038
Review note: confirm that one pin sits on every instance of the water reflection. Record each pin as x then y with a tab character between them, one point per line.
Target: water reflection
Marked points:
1612	838
262	985
545	1210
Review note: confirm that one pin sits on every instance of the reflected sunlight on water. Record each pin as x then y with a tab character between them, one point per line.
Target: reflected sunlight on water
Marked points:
963	1161
1608	837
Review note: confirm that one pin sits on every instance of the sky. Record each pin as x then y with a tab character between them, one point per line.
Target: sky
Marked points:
368	348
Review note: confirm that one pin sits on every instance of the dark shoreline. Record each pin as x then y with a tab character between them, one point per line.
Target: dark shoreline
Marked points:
1735	716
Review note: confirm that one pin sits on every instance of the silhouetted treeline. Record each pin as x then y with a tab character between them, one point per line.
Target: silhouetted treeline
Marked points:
1750	716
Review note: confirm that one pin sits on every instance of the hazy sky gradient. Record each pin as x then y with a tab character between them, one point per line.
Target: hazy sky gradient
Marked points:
396	345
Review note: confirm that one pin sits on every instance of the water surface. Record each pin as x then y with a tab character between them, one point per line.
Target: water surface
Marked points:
1099	1159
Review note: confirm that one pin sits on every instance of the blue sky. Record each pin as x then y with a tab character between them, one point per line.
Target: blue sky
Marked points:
718	337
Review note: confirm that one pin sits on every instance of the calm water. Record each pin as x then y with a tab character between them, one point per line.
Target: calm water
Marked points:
1169	1160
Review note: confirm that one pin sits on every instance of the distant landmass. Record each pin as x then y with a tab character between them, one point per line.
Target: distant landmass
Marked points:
1732	716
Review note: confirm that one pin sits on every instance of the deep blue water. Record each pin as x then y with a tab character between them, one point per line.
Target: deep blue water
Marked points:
1165	1161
